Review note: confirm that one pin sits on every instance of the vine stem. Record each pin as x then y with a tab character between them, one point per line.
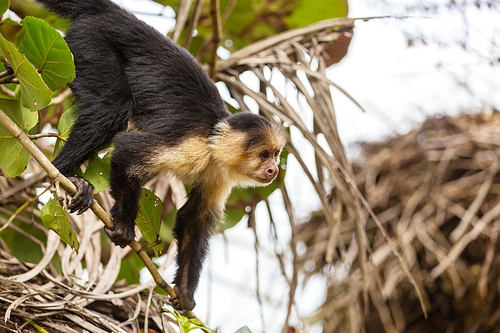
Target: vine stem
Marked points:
56	176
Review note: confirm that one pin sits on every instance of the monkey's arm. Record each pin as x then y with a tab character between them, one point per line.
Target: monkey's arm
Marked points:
193	227
129	171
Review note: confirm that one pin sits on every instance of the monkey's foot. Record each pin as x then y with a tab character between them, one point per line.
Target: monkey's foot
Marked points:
121	235
182	303
84	197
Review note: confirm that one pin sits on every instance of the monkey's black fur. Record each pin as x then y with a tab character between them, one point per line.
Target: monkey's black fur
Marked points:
127	72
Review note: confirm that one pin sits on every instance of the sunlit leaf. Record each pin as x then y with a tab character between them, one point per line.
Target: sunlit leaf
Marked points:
47	50
33	92
54	217
130	269
97	172
13	157
4	5
149	218
309	12
63	128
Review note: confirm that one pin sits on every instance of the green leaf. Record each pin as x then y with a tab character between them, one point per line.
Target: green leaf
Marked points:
167	225
309	12
47	50
37	129
97	172
64	128
4	5
231	218
130	269
33	92
54	217
172	3
30	251
13	157
243	329
149	218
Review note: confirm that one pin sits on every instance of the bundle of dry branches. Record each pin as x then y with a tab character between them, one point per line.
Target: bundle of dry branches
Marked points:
84	296
436	190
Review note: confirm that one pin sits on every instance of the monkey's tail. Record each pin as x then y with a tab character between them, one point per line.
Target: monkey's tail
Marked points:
72	9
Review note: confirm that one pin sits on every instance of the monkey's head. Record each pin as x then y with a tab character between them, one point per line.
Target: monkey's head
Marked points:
250	145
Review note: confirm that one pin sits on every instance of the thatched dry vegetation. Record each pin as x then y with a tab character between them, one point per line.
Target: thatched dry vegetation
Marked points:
436	191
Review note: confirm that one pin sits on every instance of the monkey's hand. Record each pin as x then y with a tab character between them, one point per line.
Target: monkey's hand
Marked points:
122	234
84	197
183	303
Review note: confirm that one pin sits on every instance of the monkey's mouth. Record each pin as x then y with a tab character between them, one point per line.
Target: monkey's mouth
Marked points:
265	180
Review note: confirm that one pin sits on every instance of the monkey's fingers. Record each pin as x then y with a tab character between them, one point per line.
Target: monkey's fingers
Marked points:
121	235
181	303
84	197
176	304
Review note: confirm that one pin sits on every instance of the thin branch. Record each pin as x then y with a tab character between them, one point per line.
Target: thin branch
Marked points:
180	22
61	97
295	260
217	34
45	135
193	22
6	91
208	41
253	226
9	79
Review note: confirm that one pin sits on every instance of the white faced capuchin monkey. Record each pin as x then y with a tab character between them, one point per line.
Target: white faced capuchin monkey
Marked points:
127	72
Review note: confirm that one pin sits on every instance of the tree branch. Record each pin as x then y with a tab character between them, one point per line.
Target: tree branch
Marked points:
208	41
45	135
217	33
182	14
193	22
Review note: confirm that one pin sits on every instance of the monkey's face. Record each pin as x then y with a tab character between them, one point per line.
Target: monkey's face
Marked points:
261	165
268	169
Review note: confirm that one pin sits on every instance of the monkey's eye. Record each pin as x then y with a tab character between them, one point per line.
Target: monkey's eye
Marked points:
264	155
276	153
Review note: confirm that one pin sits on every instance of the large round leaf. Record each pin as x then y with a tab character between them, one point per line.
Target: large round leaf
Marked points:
33	92
47	50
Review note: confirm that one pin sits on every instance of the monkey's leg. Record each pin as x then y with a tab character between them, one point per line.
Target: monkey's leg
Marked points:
129	171
193	227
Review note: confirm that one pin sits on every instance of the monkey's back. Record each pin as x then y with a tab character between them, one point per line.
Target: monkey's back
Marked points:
163	86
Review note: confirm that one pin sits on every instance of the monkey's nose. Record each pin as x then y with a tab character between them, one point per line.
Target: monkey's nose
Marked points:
272	172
